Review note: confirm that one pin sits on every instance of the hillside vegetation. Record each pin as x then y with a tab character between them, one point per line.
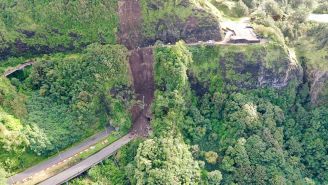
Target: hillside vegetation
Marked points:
44	26
170	21
63	99
222	113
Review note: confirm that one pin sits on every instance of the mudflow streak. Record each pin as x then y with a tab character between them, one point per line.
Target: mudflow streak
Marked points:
141	64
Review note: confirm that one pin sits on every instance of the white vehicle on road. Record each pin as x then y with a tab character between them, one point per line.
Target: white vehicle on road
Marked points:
211	42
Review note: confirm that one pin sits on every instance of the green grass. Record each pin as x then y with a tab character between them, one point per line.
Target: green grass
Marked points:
29	159
114	136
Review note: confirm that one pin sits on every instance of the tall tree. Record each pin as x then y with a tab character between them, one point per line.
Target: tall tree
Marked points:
165	161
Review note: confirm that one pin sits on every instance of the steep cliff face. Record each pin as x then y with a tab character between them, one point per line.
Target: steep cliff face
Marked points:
285	68
318	80
312	52
246	66
171	20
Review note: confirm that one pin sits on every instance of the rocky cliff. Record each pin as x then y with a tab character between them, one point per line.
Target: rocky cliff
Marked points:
312	52
246	66
169	21
318	80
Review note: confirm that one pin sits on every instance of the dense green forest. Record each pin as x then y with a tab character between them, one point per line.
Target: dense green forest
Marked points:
38	27
61	100
222	113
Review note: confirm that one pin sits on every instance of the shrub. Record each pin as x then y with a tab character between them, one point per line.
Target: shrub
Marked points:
240	9
322	8
272	8
252	3
3	174
269	32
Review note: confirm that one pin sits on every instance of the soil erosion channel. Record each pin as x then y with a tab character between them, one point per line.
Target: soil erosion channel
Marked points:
141	64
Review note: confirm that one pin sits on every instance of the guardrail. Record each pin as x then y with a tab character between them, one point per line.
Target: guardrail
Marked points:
86	164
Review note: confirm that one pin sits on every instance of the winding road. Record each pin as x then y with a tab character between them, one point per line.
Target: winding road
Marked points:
23	176
86	164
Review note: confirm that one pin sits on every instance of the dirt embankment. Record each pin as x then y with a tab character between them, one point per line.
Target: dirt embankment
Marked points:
141	64
130	23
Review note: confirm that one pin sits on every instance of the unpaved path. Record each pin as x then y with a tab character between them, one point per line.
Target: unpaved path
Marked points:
61	157
86	164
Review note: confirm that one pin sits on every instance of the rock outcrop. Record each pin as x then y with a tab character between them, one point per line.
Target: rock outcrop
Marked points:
185	22
248	75
318	81
286	70
248	66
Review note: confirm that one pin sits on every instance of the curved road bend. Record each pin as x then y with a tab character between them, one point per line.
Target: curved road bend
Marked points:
86	164
19	67
62	156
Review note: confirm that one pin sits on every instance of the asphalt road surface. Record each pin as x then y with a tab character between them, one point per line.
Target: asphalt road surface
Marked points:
86	164
60	157
20	67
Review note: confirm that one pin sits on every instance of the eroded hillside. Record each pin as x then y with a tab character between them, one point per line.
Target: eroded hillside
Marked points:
171	21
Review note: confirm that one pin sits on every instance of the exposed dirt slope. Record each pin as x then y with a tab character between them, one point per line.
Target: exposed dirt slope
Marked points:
141	64
130	23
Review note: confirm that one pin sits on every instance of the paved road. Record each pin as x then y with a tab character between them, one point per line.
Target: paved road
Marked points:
86	164
321	18
62	156
19	67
